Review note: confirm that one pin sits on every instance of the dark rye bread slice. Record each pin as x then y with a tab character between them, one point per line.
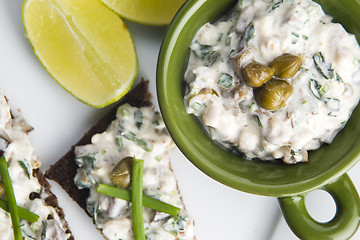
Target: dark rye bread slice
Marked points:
51	199
64	170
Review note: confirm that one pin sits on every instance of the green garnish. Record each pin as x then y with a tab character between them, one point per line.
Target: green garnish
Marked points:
315	88
149	202
325	69
205	52
43	233
10	196
86	160
23	213
225	80
138	117
141	142
249	32
136	199
257	119
196	106
26	169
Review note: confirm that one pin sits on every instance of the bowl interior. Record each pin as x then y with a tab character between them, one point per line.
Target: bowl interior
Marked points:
258	177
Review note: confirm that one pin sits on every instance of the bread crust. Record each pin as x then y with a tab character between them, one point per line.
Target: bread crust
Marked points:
51	199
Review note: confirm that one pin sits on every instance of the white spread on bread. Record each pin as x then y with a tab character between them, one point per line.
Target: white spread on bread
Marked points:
139	133
19	154
326	89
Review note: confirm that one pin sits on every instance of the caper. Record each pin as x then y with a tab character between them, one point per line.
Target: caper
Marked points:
273	94
286	65
121	174
256	74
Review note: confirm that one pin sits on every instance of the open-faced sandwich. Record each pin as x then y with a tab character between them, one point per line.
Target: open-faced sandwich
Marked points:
28	210
121	165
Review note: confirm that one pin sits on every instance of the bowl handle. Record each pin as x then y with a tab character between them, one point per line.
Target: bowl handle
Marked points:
342	226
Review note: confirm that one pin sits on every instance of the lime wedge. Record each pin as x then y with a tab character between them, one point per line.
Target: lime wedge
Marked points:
148	12
84	46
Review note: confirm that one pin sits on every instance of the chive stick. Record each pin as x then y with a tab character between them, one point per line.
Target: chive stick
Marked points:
10	196
136	199
149	202
23	213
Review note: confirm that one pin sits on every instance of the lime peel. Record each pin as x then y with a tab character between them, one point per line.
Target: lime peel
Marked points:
84	46
147	12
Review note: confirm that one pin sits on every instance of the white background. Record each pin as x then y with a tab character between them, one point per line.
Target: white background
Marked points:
60	120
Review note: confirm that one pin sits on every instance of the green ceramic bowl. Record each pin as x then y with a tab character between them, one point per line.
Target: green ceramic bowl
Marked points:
327	166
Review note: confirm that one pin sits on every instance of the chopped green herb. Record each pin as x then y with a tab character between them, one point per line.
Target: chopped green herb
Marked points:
205	52
232	28
25	167
86	160
43	233
295	38
321	65
232	53
249	32
141	142
295	34
325	69
305	37
155	123
149	202
332	103
10	196
225	80
257	119
29	236
338	78
138	117
119	141
95	213
318	91
252	107
175	224
315	87
276	4
292	152
125	112
220	37
158	158
120	129
228	41
196	106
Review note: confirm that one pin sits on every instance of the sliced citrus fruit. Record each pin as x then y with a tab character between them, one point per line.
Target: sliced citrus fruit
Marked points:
149	12
84	46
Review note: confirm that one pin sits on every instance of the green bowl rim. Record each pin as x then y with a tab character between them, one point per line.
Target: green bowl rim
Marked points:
206	167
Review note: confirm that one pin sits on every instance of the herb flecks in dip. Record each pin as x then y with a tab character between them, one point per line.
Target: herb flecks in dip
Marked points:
30	194
325	87
138	133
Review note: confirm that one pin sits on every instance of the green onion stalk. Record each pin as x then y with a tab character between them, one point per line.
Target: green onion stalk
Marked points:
136	199
10	196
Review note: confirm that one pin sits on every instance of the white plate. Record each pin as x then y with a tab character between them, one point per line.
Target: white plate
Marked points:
60	120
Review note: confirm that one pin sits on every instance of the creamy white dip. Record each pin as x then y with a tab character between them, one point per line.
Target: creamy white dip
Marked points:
325	90
19	154
139	133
